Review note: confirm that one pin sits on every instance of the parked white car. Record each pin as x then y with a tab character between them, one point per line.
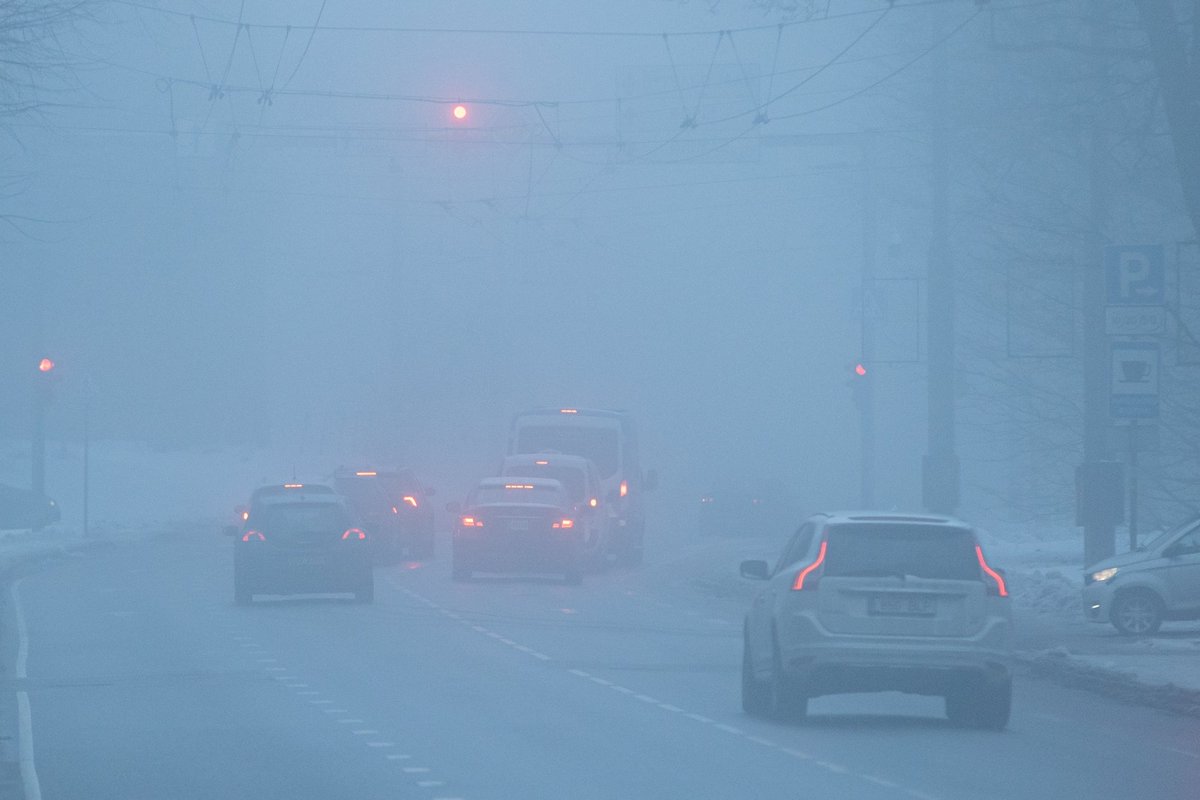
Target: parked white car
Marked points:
1136	591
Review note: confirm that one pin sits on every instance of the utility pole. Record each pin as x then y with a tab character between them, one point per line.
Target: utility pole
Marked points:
41	402
865	395
940	479
1099	526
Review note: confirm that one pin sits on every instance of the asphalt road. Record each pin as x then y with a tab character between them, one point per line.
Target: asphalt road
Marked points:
142	681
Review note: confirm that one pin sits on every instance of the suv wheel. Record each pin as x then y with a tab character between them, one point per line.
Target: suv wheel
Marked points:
975	705
786	700
755	696
1136	612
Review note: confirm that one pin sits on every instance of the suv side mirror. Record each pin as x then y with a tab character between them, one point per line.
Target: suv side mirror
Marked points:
755	570
454	507
650	483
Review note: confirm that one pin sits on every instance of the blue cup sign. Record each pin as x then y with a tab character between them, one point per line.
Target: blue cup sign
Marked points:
1134	388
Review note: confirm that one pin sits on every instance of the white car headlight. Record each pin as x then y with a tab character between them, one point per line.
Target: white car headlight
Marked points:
1104	575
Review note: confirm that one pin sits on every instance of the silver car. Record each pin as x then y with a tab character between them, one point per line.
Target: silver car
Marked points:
1136	591
868	602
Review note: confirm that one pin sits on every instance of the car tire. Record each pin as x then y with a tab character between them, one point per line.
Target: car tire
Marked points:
365	593
987	707
786	699
1136	612
755	696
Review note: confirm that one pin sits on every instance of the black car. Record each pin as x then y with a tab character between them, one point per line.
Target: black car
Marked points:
393	508
518	525
299	541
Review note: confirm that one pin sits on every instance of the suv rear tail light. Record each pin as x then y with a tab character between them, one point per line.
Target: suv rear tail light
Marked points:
996	586
803	580
564	523
253	536
410	500
471	522
354	533
624	488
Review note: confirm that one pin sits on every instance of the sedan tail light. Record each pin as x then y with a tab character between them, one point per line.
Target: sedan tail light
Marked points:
471	522
996	586
410	500
803	580
253	536
354	534
564	523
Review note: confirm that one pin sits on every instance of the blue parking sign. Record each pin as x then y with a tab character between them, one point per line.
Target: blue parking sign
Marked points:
1135	275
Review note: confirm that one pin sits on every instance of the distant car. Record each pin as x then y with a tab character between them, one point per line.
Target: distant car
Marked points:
868	602
393	508
410	498
1136	591
301	540
518	525
731	510
22	508
584	490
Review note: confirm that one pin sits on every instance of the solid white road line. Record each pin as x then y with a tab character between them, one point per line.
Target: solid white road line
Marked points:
29	776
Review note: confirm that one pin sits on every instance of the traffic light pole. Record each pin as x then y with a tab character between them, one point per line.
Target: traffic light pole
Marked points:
865	393
38	454
940	479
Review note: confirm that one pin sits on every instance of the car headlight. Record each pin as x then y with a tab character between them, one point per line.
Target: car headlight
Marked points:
1104	575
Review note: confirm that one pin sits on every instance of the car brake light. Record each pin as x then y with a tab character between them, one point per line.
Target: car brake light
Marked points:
412	501
564	523
395	510
798	586
624	488
366	474
999	589
293	486
354	533
250	536
542	463
471	522
568	411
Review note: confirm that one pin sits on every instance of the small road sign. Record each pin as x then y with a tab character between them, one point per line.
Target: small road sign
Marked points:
1134	388
1135	275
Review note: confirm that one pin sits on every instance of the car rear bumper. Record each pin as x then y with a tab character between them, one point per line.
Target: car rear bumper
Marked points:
536	553
264	571
832	663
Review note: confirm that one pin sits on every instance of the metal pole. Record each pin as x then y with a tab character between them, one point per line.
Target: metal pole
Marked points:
940	468
87	407
1133	485
866	393
38	454
1099	535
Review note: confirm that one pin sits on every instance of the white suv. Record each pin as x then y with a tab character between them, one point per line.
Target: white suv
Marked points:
1136	591
868	602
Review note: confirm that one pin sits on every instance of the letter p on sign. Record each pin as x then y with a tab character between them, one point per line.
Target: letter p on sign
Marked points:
1134	275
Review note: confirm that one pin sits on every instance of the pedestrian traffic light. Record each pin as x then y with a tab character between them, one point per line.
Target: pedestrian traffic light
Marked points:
45	365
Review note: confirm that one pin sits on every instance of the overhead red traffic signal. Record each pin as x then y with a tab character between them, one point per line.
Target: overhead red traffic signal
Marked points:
45	365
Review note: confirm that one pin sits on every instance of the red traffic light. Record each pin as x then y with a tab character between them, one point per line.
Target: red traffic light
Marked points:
45	365
459	111
859	369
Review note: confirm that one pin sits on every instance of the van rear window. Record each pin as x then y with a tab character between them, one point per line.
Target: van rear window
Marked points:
923	551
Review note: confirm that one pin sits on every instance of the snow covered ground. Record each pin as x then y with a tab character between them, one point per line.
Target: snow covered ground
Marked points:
137	491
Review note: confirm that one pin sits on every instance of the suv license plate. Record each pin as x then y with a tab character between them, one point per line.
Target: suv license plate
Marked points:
902	605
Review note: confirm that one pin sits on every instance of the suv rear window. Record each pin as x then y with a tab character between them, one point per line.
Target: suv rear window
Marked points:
923	551
302	518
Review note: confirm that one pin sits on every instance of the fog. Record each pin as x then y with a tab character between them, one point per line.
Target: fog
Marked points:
279	238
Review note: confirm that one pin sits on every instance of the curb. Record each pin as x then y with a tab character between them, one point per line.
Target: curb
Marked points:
1067	671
